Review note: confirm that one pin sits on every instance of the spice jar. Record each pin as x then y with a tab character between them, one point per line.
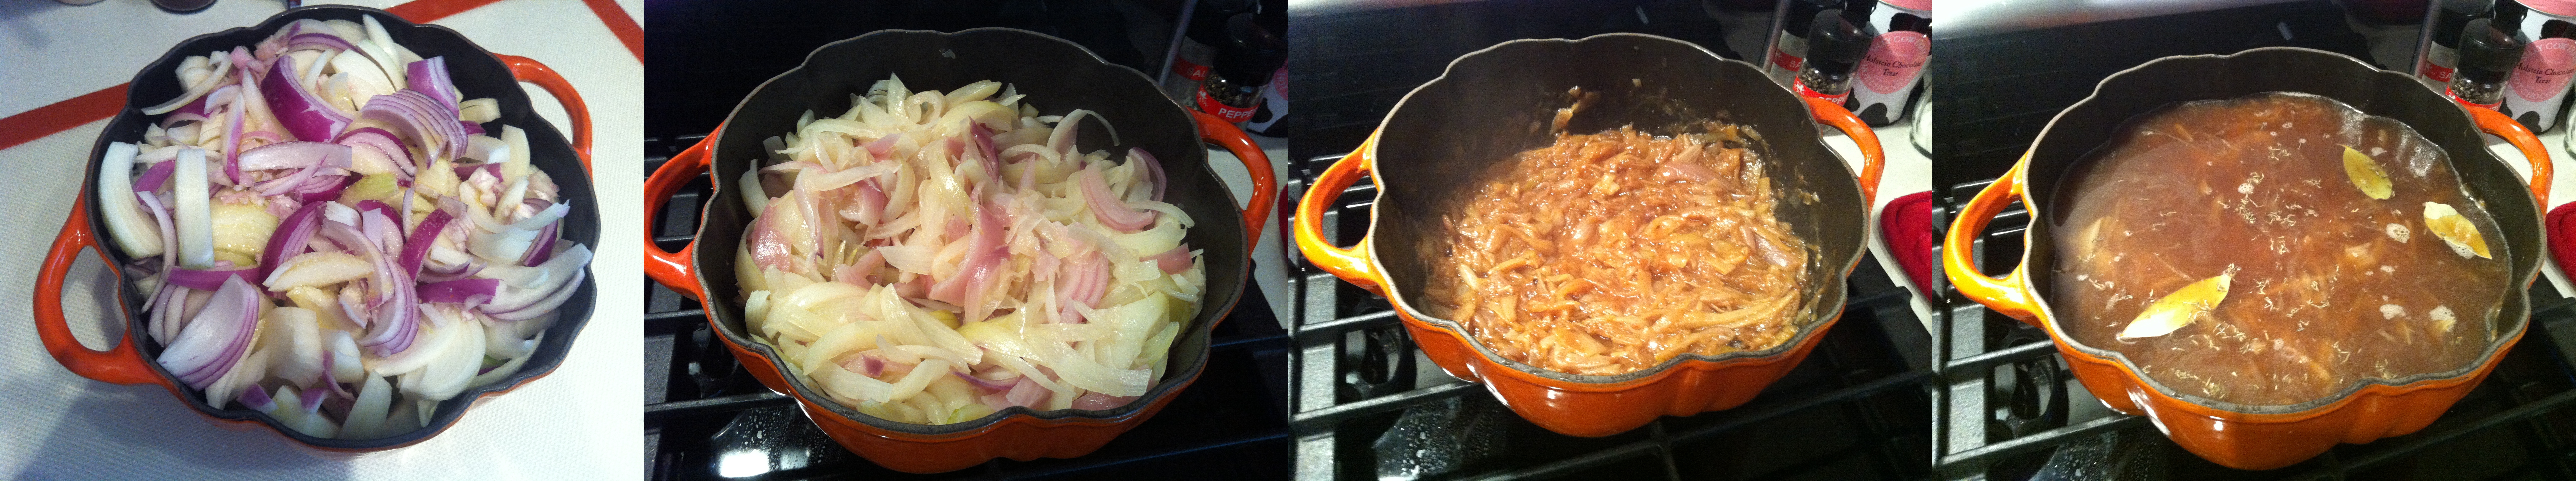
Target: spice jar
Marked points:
2487	54
1245	63
1834	49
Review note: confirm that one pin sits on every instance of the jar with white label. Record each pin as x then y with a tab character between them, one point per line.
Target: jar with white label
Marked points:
2537	89
1889	73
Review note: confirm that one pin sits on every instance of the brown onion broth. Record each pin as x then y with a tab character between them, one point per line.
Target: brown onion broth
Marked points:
2325	294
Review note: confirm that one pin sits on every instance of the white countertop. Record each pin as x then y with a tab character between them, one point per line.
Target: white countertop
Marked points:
1908	170
581	422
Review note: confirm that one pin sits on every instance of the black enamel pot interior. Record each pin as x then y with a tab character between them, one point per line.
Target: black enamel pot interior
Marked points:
1057	76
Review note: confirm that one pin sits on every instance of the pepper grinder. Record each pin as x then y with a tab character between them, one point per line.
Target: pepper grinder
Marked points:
2487	55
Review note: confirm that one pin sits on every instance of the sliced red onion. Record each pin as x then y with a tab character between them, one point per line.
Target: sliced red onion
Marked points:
985	154
293	234
416	250
543	248
1173	261
397	324
314	156
884	146
384	142
208	279
256	399
1111	210
866	364
461	271
1027	392
217	337
429	76
1153	169
418	115
460	290
472	128
312	398
324	188
153	177
986	384
233	126
303	114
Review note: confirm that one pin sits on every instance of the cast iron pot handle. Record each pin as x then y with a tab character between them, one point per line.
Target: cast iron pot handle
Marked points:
2495	123
1873	159
1265	189
672	268
1350	264
122	364
2009	294
530	71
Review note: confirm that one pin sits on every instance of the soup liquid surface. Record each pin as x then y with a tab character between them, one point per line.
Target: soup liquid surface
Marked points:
1612	252
2329	285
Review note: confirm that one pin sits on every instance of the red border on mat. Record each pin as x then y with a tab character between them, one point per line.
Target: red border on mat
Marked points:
90	107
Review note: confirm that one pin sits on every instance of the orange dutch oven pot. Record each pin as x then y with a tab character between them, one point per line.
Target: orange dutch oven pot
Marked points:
1058	76
2235	435
477	74
1491	104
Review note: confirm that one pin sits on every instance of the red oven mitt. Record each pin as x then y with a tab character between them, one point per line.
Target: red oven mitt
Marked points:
1907	225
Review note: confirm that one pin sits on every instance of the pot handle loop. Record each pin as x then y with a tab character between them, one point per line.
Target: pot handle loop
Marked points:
1350	264
122	364
2007	294
672	268
1873	159
1265	188
530	71
2497	124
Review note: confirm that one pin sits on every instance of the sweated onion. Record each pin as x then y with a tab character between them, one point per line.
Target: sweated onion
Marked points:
915	275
